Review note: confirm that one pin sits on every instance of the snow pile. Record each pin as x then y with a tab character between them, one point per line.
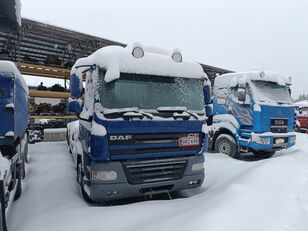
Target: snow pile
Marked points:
300	104
98	129
4	166
237	195
116	59
232	79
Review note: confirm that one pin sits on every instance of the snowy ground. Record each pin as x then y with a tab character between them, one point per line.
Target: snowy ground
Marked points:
237	195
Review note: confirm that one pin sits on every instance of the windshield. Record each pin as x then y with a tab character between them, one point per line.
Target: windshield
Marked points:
151	92
271	93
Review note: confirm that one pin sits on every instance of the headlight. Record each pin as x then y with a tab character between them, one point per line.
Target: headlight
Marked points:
263	140
292	139
103	175
197	167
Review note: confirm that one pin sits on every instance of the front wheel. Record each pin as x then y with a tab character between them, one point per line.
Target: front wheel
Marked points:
81	184
226	144
18	190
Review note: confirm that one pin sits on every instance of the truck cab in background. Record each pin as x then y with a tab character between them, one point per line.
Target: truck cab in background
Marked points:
253	112
14	95
141	122
302	116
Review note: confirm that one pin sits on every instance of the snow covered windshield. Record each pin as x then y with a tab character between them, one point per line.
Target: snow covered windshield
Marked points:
151	92
271	93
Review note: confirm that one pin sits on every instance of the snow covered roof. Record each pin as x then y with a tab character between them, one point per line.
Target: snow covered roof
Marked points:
10	67
232	79
116	59
303	103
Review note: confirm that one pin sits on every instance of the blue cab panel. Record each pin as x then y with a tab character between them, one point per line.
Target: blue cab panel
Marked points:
14	95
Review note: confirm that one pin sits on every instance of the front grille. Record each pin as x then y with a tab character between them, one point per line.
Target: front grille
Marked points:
279	122
139	144
154	170
276	129
279	125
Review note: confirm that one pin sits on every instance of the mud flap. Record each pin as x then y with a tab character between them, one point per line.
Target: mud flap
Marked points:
2	206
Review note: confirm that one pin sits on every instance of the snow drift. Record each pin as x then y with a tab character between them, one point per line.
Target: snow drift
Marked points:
237	195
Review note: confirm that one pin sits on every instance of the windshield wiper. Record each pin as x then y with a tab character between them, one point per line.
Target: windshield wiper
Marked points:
282	102
133	112
177	110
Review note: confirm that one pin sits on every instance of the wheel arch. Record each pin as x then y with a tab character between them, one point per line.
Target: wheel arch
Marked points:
222	130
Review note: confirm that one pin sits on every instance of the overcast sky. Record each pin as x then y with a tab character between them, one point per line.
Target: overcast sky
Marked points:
231	34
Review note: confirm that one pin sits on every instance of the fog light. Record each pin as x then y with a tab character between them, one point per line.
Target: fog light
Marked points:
193	182
292	139
103	175
197	167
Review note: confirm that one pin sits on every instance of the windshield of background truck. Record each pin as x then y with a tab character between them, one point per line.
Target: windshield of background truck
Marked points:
270	92
151	92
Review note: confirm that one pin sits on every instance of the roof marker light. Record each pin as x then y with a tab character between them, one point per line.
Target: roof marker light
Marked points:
262	74
177	56
138	52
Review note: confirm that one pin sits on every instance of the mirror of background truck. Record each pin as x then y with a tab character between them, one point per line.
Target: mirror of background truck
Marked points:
74	106
75	86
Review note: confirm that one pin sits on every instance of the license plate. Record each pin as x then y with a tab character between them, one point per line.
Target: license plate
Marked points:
188	141
279	141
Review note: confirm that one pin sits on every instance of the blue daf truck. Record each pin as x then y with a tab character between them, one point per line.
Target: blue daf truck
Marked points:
141	122
252	112
14	121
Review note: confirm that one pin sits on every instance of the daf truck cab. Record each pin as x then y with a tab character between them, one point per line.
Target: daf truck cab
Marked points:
302	116
253	112
141	123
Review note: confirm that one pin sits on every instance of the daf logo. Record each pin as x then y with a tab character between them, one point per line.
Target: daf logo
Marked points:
121	137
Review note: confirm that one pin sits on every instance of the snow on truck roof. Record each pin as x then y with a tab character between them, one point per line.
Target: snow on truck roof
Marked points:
232	79
10	67
138	59
301	104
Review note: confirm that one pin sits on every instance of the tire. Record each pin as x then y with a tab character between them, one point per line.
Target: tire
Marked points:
81	184
18	190
26	152
226	144
264	154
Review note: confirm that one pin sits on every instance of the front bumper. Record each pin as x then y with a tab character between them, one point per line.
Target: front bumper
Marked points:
122	188
270	141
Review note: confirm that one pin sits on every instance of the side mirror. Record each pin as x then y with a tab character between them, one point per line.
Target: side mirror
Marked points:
74	106
75	86
207	94
289	90
241	94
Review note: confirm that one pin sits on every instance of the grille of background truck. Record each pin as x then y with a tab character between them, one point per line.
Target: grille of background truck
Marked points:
279	125
150	171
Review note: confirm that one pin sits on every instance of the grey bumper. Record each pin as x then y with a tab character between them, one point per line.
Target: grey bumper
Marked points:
121	188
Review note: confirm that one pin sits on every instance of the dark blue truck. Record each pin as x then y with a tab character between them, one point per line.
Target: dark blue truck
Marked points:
253	112
14	121
141	122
